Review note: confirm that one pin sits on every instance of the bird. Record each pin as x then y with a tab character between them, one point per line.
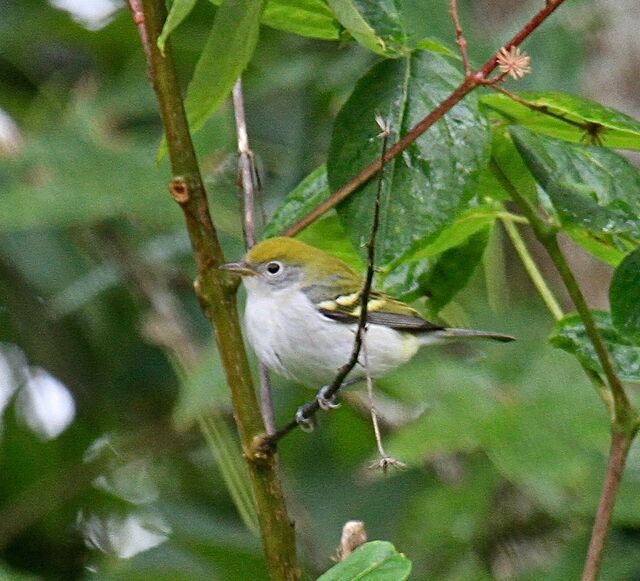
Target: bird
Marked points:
302	312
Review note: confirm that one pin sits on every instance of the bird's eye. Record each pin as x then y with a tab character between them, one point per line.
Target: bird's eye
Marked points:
274	268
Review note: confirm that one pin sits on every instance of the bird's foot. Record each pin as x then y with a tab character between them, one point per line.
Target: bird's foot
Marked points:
326	403
306	424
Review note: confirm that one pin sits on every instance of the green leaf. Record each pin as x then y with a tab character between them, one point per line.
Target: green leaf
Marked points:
373	561
451	272
387	27
570	334
624	296
180	9
468	223
438	277
589	187
328	234
602	124
506	164
430	183
376	27
225	55
311	18
300	201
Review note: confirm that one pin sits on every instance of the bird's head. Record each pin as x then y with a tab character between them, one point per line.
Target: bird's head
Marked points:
283	263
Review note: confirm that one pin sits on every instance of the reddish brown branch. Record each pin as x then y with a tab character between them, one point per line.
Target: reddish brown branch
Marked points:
471	82
461	41
620	443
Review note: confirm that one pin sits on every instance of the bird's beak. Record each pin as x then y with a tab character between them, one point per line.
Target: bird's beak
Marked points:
242	268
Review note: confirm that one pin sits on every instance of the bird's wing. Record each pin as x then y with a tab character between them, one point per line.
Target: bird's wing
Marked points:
381	310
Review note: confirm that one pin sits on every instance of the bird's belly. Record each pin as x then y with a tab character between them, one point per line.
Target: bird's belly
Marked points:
300	343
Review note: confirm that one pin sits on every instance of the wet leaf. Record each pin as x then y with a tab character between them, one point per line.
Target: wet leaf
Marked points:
590	187
601	124
570	334
624	296
429	184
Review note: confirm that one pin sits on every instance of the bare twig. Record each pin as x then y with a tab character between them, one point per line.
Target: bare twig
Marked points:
248	173
480	77
460	39
311	408
245	167
217	293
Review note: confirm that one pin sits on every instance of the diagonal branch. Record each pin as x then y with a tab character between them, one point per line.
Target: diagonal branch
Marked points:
474	80
216	292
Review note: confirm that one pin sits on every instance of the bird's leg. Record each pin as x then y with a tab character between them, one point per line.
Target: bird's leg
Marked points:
329	403
307	424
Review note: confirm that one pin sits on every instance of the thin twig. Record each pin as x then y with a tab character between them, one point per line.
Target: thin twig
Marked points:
311	408
460	39
217	294
248	173
480	77
385	461
245	167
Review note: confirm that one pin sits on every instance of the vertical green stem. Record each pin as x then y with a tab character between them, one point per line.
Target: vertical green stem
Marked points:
532	269
216	293
624	419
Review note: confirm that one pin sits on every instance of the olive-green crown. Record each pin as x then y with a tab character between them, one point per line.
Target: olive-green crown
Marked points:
316	263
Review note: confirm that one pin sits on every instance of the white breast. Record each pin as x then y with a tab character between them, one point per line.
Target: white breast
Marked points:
291	337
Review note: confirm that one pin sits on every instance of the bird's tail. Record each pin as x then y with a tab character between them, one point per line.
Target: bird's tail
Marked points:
466	333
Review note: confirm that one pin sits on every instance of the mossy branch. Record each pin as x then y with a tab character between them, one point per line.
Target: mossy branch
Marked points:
215	291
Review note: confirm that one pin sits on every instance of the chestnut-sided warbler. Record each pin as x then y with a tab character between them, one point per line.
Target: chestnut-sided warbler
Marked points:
302	313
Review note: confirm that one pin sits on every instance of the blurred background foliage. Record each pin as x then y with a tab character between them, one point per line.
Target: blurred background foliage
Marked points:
115	464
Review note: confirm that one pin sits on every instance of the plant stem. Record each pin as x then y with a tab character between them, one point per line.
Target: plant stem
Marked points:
471	81
620	444
624	417
532	269
624	412
216	293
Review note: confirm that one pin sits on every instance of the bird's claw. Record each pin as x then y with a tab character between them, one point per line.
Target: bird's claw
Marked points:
306	424
326	403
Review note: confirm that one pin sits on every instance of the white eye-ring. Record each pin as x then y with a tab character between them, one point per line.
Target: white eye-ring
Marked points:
274	268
